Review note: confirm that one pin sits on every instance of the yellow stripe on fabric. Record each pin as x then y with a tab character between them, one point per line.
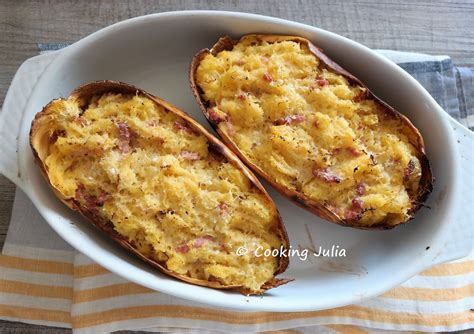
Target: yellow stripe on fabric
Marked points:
28	313
232	317
89	270
347	329
427	294
36	290
416	294
450	269
52	267
110	291
283	331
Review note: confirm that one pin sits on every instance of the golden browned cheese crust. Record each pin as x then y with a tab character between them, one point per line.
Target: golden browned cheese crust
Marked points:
162	186
313	130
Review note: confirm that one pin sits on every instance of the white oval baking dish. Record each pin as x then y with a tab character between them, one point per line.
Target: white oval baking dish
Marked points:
153	52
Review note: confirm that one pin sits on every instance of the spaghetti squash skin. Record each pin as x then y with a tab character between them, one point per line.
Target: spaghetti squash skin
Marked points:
313	130
159	184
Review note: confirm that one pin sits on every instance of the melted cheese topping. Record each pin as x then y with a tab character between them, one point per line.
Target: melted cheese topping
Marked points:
145	170
311	130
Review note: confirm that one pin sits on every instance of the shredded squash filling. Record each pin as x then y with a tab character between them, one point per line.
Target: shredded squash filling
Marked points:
161	185
311	130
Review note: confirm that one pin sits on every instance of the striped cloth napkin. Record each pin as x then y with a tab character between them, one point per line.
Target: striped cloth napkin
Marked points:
44	281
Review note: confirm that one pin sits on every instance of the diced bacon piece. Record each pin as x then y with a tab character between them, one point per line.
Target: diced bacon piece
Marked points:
360	189
326	175
102	198
184	127
184	248
187	155
53	138
81	121
222	207
362	95
352	215
387	113
335	209
124	131
267	77
288	120
297	119
72	166
124	147
321	82
357	203
199	242
79	191
354	151
215	117
125	137
55	135
92	202
241	97
409	170
316	124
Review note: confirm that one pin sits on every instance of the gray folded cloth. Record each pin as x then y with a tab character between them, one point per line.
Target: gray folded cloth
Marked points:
452	87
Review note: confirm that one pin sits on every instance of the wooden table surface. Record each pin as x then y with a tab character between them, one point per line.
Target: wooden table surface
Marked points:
433	27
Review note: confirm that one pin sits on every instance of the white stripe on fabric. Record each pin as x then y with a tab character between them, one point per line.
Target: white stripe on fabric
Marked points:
97	281
439	282
469	120
425	307
24	276
37	253
82	260
148	299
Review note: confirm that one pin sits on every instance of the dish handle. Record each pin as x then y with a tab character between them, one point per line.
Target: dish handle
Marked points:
13	111
459	240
